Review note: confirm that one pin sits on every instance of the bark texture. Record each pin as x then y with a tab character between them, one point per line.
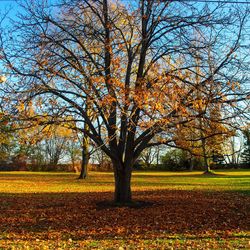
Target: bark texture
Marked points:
85	159
122	184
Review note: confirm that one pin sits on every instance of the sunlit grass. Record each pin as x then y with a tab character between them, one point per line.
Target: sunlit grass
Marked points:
40	182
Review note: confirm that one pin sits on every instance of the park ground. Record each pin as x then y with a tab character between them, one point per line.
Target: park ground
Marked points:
187	210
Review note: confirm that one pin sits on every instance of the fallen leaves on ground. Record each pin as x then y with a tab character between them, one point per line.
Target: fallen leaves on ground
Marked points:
174	218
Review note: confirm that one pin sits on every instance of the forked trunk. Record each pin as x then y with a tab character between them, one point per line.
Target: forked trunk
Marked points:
207	168
122	186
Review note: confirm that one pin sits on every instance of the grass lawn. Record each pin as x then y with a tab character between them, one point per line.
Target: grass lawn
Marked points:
186	210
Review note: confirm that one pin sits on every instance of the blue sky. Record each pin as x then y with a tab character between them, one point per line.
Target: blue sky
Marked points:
10	6
13	8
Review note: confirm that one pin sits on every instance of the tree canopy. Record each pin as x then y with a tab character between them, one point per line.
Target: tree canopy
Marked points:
128	71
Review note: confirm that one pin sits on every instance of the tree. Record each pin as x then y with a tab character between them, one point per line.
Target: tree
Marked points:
6	139
101	159
232	150
245	155
175	159
55	144
127	61
85	144
85	157
204	137
73	149
43	142
149	155
208	130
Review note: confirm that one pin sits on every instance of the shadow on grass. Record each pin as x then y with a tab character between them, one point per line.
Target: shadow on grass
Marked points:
77	215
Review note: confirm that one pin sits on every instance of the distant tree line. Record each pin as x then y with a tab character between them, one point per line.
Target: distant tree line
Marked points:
58	148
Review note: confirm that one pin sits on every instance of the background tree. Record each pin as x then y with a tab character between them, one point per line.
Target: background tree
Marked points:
205	134
85	149
55	141
73	149
245	155
101	159
150	156
7	143
176	159
232	150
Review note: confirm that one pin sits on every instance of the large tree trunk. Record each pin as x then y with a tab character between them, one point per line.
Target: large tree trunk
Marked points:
122	184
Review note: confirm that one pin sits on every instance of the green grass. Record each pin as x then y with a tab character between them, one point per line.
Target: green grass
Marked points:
40	182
